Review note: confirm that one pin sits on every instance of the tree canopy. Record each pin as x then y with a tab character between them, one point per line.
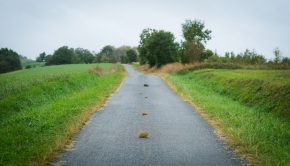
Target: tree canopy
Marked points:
157	47
9	60
63	55
131	55
84	55
194	31
195	35
41	57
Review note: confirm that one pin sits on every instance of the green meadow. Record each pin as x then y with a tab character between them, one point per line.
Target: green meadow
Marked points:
41	108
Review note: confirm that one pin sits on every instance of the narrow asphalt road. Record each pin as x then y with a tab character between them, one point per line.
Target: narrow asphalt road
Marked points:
178	135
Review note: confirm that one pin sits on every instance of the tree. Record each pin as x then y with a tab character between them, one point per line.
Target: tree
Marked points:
142	48
131	55
157	47
192	52
195	36
277	54
107	55
121	51
9	60
41	57
195	32
286	61
206	54
85	55
124	59
63	55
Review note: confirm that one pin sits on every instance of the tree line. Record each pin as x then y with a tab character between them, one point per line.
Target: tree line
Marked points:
11	60
108	54
158	47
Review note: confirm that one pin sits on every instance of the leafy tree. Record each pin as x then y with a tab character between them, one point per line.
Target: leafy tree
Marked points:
286	61
85	55
277	54
192	52
121	52
206	54
142	48
63	55
195	36
195	32
41	57
107	55
157	47
124	59
131	56
9	60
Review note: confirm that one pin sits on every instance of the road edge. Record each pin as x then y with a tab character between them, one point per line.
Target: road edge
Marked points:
84	119
214	123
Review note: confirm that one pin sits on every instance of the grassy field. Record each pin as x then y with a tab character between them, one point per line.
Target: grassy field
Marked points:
251	107
31	63
41	108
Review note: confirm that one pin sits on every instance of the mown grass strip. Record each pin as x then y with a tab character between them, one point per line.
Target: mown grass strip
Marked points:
50	113
261	134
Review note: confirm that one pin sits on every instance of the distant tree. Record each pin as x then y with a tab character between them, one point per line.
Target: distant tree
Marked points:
85	55
195	36
107	55
124	59
131	55
41	57
121	52
63	55
206	54
9	60
286	61
157	47
277	54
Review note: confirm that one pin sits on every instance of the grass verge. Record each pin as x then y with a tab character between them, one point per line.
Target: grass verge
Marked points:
42	108
262	136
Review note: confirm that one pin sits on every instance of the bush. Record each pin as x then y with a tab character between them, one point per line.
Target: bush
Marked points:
9	60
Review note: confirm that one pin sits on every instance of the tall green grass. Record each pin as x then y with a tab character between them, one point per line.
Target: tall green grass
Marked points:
225	96
41	108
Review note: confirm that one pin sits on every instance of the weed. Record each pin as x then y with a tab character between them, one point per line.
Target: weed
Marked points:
144	134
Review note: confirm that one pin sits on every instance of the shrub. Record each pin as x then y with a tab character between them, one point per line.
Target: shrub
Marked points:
144	134
9	60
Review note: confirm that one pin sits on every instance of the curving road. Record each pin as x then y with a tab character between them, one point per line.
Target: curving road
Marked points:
178	135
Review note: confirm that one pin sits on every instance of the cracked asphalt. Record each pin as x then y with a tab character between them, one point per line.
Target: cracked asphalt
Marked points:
178	135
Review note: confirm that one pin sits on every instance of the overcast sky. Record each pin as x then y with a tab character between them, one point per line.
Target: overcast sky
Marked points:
32	26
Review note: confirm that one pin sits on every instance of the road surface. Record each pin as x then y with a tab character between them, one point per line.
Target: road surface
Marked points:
178	135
